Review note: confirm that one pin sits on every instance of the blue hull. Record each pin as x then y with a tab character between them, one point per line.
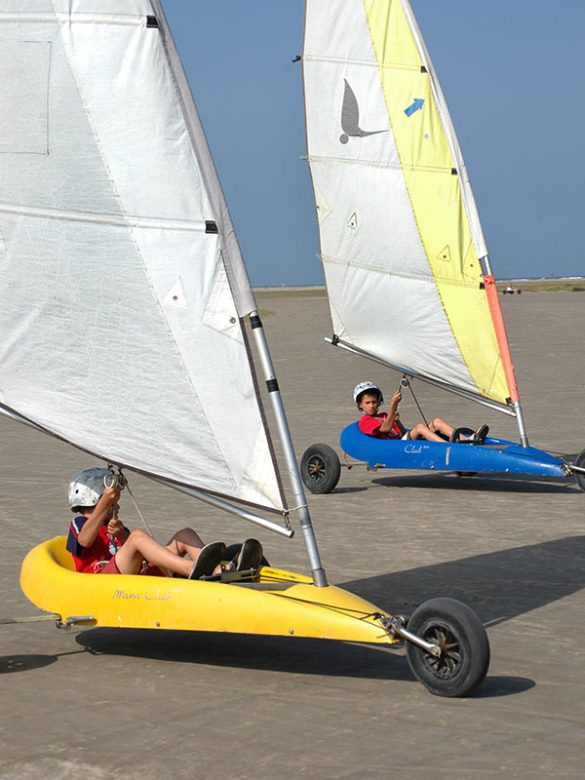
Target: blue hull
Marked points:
497	455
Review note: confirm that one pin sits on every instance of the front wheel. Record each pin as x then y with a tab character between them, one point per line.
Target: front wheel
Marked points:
465	649
320	468
579	476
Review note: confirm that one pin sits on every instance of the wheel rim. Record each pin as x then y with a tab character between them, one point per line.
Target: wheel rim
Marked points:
449	663
316	468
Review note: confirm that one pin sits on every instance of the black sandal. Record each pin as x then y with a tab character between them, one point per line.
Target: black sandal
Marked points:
480	434
250	555
210	556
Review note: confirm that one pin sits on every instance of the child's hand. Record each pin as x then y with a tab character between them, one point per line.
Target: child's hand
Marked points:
396	399
115	526
111	495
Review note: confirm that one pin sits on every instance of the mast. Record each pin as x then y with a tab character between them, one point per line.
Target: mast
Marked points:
317	570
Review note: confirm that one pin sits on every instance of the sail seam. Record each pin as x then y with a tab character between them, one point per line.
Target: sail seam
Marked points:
375	164
389	272
362	63
104	219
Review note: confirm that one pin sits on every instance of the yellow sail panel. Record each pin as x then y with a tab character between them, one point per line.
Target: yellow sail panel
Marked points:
432	178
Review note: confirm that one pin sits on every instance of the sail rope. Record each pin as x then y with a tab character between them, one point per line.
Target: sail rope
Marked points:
120	479
405	382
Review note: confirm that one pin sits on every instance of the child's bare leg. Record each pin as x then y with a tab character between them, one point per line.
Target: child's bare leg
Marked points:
186	542
141	547
421	431
440	426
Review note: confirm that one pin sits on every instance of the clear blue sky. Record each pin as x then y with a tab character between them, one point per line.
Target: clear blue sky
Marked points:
513	74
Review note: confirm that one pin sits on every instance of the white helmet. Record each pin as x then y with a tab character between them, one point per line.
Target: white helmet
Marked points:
362	387
86	488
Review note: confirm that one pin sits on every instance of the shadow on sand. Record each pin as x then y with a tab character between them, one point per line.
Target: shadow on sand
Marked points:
24	663
497	585
502	483
274	654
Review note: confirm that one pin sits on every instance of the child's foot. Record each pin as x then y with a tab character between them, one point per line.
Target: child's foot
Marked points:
208	560
250	556
480	434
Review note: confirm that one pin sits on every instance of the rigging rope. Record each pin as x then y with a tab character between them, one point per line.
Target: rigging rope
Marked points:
120	479
405	382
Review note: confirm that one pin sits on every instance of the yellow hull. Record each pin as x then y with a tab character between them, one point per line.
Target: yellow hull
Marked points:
278	603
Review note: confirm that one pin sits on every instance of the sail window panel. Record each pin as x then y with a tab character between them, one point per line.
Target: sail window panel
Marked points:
24	85
52	181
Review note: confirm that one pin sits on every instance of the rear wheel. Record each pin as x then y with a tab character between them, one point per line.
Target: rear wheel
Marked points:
465	650
320	468
580	477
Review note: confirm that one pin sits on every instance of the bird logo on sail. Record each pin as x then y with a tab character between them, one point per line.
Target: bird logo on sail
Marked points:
350	117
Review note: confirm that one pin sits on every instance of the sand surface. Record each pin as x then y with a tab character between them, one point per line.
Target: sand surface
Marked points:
104	703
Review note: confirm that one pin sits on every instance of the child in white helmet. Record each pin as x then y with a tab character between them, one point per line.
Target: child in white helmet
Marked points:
387	425
100	543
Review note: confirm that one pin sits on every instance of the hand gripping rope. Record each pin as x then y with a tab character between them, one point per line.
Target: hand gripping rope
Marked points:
118	479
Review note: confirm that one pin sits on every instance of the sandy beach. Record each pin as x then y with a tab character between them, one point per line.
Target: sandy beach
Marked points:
105	703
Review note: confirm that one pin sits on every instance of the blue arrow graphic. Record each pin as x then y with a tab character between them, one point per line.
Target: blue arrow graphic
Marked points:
416	105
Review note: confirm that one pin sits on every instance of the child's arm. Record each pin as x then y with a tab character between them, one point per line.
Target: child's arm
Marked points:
392	413
91	527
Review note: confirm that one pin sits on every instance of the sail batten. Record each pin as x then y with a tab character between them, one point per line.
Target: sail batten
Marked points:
400	238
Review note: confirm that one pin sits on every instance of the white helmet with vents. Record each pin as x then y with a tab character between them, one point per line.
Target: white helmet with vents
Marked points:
86	488
366	386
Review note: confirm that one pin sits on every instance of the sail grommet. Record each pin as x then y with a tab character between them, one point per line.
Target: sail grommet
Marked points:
152	21
211	226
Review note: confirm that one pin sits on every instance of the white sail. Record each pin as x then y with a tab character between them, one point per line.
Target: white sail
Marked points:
121	281
401	243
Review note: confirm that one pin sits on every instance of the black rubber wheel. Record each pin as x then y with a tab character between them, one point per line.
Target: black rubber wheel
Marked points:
461	432
580	461
462	637
320	468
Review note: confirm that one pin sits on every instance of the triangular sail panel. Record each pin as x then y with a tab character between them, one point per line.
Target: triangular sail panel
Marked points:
400	237
121	283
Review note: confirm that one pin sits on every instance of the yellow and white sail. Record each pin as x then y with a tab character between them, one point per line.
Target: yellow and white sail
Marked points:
401	242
